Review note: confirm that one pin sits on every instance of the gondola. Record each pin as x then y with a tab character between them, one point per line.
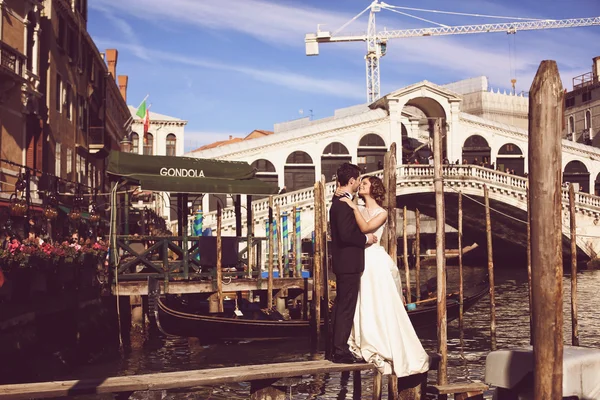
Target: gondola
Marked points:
231	328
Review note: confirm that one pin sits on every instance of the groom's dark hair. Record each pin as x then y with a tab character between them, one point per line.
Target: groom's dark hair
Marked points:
347	171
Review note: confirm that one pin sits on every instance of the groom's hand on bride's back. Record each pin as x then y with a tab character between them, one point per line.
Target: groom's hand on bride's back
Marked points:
371	238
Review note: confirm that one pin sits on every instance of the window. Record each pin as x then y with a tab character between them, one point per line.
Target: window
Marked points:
69	161
571	125
587	96
569	102
588	120
57	160
62	32
58	93
80	111
148	144
171	144
135	143
30	39
68	100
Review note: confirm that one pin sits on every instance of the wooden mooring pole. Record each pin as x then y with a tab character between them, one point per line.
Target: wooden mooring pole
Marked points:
418	253
574	322
440	246
545	161
279	242
270	255
318	260
490	257
461	294
529	264
219	258
293	244
405	255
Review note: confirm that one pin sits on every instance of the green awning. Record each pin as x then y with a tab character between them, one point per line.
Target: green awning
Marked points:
187	175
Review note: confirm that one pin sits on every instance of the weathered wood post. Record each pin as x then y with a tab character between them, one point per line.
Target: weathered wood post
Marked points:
250	234
270	255
279	242
418	253
405	255
325	271
461	294
293	243
490	257
440	246
545	160
318	259
219	258
529	264
574	322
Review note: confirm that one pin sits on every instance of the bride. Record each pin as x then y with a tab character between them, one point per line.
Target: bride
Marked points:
382	333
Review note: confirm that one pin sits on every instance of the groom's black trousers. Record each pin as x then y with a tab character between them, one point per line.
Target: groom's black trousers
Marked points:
347	287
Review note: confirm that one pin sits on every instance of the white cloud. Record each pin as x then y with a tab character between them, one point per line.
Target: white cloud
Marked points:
284	78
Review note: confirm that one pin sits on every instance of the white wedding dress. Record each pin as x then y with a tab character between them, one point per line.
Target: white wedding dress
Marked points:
382	333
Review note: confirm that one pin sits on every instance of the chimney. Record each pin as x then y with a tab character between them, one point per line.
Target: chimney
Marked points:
230	137
596	69
123	79
111	58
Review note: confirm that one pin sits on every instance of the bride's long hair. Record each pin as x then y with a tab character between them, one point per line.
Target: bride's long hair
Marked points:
377	190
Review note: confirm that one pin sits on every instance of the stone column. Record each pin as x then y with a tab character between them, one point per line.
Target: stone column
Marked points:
395	131
35	56
454	139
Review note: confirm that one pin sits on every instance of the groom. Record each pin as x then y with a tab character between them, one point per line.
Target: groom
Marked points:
348	257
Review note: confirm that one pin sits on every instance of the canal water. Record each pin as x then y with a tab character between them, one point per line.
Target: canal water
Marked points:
466	359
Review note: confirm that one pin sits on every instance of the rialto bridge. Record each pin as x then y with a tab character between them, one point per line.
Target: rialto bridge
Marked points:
300	151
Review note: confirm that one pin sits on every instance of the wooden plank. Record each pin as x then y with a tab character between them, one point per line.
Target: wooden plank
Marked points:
546	112
453	388
377	384
175	380
185	287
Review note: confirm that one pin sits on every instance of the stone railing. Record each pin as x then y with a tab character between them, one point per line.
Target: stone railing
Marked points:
422	175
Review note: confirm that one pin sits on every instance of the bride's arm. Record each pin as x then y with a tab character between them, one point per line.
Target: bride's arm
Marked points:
373	224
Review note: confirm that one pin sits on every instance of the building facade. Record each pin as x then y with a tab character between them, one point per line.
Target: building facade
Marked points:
165	137
61	108
19	88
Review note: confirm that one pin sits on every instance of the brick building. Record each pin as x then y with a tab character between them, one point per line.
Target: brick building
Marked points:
61	108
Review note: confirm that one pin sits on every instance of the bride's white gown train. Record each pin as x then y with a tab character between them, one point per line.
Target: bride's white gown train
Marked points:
382	333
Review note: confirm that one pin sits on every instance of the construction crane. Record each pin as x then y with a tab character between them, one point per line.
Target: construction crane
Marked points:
377	41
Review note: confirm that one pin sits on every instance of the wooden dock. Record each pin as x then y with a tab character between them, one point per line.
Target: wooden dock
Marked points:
257	374
136	288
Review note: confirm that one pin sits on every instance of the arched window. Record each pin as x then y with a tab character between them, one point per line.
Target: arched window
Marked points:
371	140
299	157
263	166
171	144
135	143
588	119
571	125
148	144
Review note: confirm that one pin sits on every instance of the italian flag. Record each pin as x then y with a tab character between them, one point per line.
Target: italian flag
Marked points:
144	114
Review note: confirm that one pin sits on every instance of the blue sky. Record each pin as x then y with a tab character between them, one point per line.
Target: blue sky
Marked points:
232	66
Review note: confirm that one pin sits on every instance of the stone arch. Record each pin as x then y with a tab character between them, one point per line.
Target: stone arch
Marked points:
576	172
266	172
476	150
334	154
425	110
597	185
370	152
299	171
510	157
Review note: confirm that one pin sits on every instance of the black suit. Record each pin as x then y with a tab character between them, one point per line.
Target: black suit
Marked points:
348	258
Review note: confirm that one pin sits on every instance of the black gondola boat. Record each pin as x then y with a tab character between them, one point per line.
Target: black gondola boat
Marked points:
217	327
